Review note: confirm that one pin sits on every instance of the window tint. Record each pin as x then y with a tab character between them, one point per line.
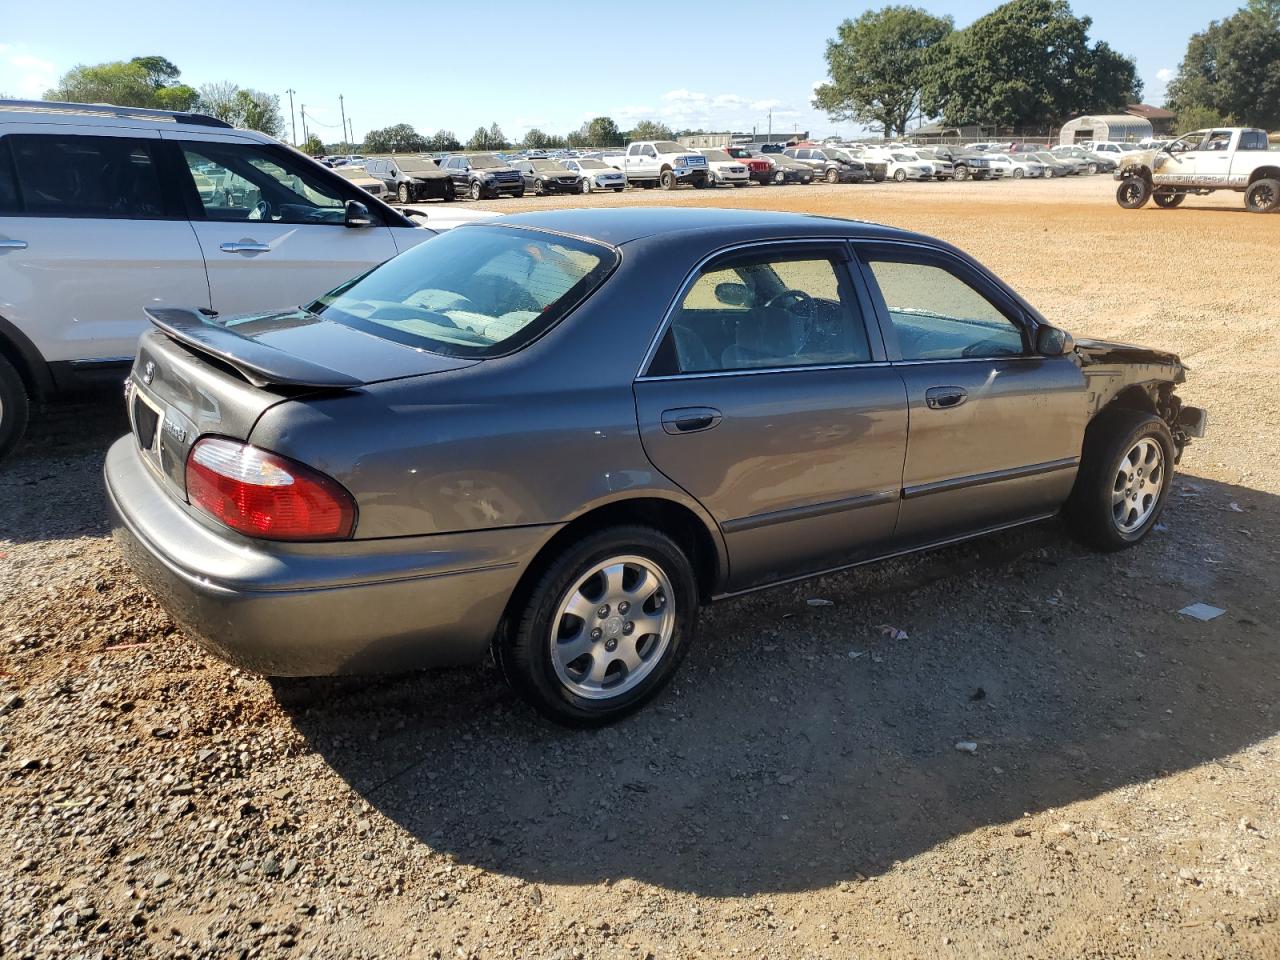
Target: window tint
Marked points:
938	316
8	181
771	311
99	177
244	182
1253	140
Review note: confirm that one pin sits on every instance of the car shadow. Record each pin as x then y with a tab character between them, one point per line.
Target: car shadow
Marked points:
49	472
802	745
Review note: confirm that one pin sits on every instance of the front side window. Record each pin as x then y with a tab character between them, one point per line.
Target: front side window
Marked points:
938	316
472	292
254	184
92	177
782	310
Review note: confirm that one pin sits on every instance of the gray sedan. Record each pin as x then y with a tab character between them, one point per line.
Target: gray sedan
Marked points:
557	435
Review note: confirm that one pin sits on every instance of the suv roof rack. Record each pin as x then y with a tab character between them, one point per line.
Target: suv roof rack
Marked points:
108	110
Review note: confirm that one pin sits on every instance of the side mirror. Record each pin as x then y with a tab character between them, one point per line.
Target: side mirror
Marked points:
733	294
357	215
1053	341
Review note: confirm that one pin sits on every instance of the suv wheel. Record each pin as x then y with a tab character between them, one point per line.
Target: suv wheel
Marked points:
1263	196
961	173
402	193
1133	192
1125	473
15	408
477	190
604	628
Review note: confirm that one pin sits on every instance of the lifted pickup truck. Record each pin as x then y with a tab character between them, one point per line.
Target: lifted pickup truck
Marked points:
1227	158
662	163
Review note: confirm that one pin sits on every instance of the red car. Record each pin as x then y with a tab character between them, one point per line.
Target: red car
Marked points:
758	169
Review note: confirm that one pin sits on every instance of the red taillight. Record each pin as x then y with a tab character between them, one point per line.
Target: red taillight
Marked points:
261	494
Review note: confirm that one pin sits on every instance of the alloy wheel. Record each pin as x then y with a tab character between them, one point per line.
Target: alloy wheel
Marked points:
612	627
1136	489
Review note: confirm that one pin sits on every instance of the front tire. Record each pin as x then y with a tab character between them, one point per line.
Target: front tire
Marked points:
604	628
15	408
1133	193
833	176
402	193
1125	473
1263	196
900	176
584	186
477	190
668	180
961	174
1019	173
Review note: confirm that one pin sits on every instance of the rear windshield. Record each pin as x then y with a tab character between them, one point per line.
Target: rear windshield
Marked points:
476	291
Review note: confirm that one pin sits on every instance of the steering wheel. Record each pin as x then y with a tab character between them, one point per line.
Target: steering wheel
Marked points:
802	308
260	211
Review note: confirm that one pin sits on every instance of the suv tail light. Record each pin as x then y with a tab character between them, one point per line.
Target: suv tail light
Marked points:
261	494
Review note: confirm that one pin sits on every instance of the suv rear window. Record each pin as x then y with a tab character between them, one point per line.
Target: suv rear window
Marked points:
476	291
96	177
8	181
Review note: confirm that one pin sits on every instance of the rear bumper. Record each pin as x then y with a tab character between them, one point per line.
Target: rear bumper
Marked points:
371	606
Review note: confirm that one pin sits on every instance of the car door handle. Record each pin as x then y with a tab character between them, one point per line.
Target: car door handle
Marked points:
690	419
13	244
245	247
944	398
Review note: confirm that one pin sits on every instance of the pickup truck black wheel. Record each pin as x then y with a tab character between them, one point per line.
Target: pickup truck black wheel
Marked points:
402	193
1133	192
617	189
15	408
668	180
981	175
1125	472
1168	198
1263	196
604	627
477	190
961	173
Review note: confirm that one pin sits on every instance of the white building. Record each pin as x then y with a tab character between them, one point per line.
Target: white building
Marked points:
1121	127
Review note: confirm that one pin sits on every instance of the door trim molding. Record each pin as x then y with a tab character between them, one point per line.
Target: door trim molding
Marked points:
994	476
808	511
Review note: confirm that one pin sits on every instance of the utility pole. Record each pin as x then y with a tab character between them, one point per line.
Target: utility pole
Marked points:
342	108
293	119
351	123
771	126
305	136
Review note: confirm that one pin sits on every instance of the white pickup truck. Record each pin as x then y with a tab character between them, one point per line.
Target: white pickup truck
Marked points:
662	163
1226	158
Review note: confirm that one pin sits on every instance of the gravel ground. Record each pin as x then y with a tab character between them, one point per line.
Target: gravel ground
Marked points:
797	792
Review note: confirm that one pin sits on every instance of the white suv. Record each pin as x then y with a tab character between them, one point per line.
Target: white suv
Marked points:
106	210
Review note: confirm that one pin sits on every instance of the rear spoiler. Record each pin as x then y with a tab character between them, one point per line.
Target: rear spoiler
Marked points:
260	364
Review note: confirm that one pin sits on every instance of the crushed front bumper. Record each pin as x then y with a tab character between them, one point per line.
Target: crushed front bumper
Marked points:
311	609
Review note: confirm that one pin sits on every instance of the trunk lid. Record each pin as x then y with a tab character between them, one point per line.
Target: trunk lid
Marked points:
194	375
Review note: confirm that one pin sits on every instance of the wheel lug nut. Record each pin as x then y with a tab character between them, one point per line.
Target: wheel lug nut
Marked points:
597	633
603	611
623	607
628	628
611	644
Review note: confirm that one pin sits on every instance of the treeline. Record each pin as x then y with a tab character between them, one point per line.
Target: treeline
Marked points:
597	132
1031	63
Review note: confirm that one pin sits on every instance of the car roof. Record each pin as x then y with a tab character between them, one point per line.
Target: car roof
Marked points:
620	225
105	115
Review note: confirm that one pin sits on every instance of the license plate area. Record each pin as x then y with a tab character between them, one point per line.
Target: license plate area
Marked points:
148	419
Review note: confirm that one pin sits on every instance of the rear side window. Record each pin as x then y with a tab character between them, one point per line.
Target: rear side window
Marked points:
112	178
1253	140
8	180
477	291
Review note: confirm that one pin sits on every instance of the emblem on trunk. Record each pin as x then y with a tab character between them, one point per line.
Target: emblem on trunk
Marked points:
148	373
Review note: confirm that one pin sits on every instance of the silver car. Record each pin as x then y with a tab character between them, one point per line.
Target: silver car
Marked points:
557	435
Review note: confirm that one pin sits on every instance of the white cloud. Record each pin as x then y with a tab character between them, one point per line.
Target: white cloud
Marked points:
1164	74
25	75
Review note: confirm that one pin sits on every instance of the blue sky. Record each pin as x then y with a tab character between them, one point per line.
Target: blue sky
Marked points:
717	65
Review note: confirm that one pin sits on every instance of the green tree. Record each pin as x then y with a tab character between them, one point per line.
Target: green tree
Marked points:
313	146
442	141
650	130
479	140
601	132
1199	118
398	138
497	139
1232	68
1028	62
876	66
243	107
535	138
140	82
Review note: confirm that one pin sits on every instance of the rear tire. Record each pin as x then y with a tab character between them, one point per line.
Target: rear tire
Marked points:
536	647
15	408
1133	193
1126	470
1168	199
1263	196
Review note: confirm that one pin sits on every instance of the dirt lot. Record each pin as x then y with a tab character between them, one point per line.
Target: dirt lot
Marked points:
797	792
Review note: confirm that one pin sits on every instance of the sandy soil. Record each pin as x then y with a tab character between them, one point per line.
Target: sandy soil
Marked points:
797	792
